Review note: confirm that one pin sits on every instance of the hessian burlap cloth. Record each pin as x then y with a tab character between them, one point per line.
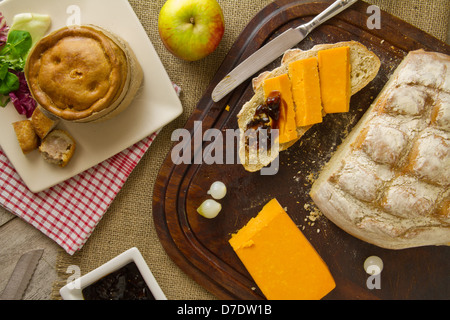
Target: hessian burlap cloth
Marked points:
129	221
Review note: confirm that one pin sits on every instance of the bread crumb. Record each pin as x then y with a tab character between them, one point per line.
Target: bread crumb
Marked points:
314	213
310	178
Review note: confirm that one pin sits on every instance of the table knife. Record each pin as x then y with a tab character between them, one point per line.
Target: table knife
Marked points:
274	49
21	276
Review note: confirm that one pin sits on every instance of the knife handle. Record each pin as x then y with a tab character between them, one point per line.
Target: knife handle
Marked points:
334	9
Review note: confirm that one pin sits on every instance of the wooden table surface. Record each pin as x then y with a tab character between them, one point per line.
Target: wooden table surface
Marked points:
18	237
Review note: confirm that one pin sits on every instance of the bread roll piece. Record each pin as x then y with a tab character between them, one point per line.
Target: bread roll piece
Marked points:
364	67
58	147
42	124
388	182
26	136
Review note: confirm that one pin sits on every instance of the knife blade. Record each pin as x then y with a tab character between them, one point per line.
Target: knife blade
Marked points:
274	49
21	275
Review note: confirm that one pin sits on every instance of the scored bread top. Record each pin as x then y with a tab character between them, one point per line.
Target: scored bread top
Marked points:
388	182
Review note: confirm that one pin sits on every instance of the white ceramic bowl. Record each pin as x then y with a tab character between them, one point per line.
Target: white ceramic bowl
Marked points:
73	290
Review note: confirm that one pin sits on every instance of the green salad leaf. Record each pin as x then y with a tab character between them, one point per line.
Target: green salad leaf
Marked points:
12	57
8	81
15	51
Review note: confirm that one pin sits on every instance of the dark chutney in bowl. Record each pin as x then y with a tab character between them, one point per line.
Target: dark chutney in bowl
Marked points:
126	283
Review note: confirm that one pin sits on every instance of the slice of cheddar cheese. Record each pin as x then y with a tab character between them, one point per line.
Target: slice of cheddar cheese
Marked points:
287	126
280	259
334	71
304	76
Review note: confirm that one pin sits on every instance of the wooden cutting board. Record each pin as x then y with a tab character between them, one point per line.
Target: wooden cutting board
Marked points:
200	246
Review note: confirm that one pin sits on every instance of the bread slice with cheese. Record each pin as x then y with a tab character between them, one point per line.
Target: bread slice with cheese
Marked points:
364	66
42	123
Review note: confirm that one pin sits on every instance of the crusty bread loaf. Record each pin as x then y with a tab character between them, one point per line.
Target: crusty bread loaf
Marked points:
388	182
58	147
364	67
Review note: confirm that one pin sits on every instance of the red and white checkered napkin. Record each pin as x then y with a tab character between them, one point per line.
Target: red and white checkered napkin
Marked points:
69	212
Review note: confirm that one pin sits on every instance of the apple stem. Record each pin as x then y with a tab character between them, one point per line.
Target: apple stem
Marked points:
192	20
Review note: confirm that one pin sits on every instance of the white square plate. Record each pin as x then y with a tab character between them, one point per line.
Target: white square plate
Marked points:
74	290
155	105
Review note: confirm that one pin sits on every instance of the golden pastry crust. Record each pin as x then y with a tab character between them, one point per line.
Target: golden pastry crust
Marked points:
27	138
388	182
77	72
41	123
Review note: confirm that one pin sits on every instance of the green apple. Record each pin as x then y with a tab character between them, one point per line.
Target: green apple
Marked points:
191	29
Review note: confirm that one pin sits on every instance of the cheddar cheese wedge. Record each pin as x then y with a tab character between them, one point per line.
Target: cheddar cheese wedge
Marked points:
334	71
304	75
287	126
281	261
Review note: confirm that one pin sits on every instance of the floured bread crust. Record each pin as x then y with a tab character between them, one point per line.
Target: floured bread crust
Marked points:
388	183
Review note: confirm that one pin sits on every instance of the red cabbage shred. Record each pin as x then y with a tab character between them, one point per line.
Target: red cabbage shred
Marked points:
21	98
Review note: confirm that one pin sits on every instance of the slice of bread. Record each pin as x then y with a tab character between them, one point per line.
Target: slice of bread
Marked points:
364	68
42	123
